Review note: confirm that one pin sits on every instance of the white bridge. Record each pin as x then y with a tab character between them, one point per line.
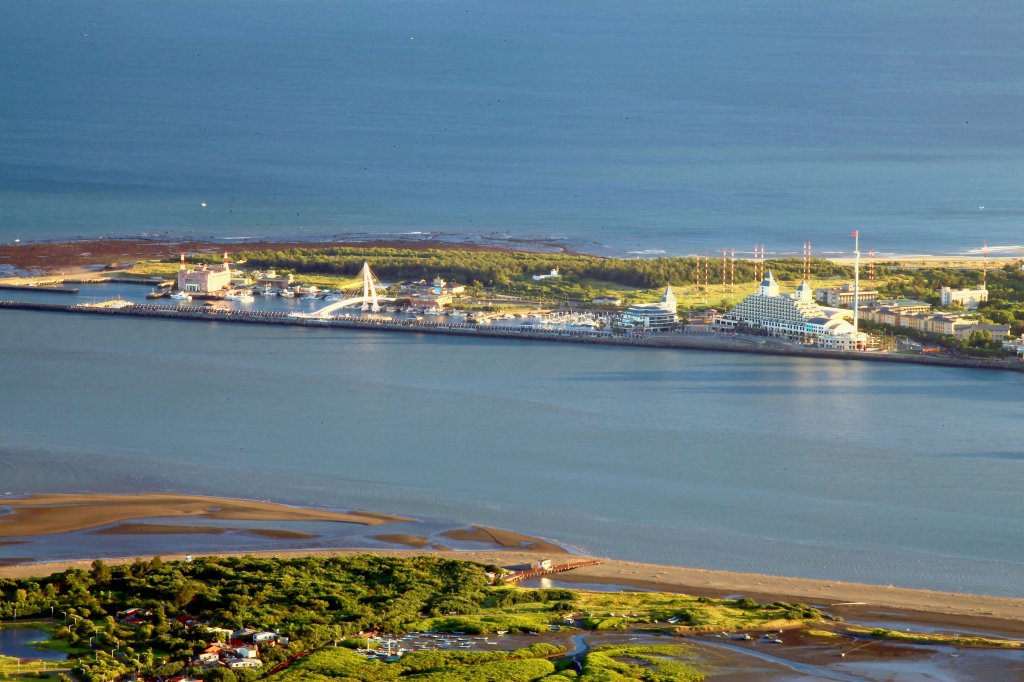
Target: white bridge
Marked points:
369	301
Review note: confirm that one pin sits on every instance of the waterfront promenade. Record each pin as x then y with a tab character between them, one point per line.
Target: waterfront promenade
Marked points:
710	342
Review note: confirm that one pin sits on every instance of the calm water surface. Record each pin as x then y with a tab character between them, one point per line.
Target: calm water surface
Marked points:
16	642
843	470
657	126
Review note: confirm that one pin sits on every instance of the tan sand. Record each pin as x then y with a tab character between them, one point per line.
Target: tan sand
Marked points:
169	529
502	538
49	514
158	529
414	541
276	534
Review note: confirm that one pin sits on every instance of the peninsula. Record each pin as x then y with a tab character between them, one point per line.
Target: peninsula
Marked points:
953	312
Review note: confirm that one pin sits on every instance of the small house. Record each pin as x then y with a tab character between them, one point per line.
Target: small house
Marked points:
245	663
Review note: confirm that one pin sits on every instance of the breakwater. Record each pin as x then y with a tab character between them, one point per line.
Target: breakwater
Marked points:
710	342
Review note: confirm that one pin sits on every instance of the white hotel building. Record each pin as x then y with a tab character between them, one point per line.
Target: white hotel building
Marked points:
795	317
660	316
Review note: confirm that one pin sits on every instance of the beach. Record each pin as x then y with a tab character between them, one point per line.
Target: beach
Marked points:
851	601
62	513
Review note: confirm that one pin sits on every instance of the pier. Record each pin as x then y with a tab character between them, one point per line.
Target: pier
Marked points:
517	576
666	340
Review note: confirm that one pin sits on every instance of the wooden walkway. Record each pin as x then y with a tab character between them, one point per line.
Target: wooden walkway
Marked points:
516	576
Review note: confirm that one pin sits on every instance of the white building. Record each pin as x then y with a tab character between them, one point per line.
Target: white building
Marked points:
554	274
204	279
653	316
244	663
796	317
968	298
842	296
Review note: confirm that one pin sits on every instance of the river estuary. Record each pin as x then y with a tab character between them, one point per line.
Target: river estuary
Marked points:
839	470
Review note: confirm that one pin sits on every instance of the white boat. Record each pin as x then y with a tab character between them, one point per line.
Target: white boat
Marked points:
181	296
287	294
245	297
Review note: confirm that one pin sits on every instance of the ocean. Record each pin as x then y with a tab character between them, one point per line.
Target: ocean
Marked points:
615	128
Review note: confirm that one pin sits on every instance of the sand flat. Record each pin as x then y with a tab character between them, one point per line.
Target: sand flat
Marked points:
50	514
407	539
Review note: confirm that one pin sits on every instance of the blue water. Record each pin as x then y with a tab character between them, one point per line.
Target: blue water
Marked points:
17	642
839	470
614	127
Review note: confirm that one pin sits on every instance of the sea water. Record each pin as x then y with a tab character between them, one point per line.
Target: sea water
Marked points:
890	474
646	128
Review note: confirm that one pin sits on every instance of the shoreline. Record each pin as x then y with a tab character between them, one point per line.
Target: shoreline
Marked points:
701	342
502	547
52	256
853	602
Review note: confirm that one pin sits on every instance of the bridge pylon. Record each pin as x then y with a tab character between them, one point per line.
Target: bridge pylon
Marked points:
371	302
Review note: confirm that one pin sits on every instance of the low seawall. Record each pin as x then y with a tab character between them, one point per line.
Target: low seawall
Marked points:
667	341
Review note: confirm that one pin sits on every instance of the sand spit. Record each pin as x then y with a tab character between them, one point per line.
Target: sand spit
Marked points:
51	514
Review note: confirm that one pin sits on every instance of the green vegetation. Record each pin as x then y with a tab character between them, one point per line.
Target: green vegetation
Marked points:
937	638
499	279
313	601
822	633
624	610
318	600
334	663
656	663
502	268
148	269
663	662
11	669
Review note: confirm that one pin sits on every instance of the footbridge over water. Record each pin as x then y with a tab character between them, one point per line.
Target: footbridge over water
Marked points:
369	301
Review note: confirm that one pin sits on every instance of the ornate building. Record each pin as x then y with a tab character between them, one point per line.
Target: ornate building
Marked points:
204	279
795	317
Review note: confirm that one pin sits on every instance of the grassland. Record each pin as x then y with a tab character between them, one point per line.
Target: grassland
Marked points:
149	269
936	638
663	662
515	610
12	669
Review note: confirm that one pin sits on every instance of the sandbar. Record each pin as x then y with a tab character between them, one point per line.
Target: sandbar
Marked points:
50	514
501	538
407	539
